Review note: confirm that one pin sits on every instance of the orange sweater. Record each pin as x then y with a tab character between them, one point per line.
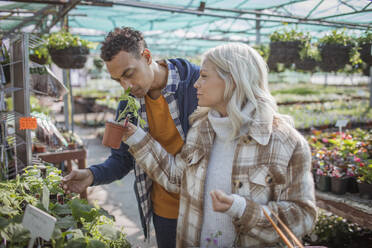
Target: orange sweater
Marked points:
163	130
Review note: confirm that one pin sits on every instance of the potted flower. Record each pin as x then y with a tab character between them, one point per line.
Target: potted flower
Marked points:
336	50
365	179
68	51
40	54
365	49
285	46
339	181
114	130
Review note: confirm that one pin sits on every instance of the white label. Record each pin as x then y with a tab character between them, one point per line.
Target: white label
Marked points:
341	123
39	223
46	197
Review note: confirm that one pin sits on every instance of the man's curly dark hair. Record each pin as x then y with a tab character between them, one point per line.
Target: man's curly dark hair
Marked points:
122	39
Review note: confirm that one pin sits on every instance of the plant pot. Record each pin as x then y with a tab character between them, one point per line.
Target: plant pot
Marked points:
72	146
36	59
365	190
6	70
40	148
339	185
323	183
352	186
287	52
365	53
69	58
306	64
113	134
334	56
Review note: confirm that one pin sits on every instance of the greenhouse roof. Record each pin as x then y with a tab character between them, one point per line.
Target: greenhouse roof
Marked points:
188	27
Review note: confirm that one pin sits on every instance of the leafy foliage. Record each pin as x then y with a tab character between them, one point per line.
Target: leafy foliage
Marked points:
131	108
64	39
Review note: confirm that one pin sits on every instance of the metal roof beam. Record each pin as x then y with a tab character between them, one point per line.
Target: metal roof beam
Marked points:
62	13
313	21
344	14
313	9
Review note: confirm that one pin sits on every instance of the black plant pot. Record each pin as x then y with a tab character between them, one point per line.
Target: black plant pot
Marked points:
69	58
286	52
365	190
6	70
36	59
307	64
323	183
339	185
334	56
365	53
352	186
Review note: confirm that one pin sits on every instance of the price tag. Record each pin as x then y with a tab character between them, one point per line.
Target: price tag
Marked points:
27	123
39	223
46	197
341	123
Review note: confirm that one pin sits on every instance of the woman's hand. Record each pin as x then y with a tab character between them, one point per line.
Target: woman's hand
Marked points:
221	202
129	130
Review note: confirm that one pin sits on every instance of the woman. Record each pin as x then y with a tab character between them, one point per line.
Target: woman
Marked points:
240	157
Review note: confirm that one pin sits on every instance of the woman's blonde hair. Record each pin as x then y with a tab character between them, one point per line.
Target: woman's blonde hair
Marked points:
241	66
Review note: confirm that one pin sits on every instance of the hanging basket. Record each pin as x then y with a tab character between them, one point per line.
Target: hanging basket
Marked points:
286	52
69	58
306	64
334	56
36	59
365	53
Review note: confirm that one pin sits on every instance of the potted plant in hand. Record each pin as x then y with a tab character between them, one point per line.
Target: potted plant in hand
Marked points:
68	51
336	50
114	130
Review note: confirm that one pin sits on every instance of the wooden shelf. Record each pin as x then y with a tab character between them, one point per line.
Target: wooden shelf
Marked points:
78	155
349	206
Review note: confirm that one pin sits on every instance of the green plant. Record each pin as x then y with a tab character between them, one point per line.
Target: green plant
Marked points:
131	108
41	51
62	39
336	37
364	172
366	38
291	35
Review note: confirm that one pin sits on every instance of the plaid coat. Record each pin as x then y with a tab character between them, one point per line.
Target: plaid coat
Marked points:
271	167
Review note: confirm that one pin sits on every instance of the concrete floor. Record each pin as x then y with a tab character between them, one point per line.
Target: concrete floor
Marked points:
117	198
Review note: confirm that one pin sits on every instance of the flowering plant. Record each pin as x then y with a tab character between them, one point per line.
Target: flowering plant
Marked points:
365	172
212	240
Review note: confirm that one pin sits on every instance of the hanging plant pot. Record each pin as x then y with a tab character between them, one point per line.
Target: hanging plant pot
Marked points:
113	134
306	64
69	58
365	54
365	190
41	61
323	183
339	185
286	52
334	56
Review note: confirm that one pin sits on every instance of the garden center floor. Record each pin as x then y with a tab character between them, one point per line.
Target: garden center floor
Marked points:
118	197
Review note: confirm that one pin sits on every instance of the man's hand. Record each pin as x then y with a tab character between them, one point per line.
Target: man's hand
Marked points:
130	129
221	202
77	181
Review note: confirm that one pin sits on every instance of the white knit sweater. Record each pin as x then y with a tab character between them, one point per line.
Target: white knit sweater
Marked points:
219	177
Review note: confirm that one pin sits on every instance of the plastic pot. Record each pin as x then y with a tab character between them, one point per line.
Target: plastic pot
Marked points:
113	134
365	190
339	185
323	183
352	186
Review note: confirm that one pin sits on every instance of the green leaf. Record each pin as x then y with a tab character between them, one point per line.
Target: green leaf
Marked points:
77	243
3	222
59	209
80	208
66	222
109	231
96	244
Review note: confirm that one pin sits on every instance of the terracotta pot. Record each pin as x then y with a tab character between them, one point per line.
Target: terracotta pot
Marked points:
113	135
40	148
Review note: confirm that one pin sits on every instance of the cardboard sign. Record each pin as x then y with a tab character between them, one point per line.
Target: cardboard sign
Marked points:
27	123
46	196
341	123
39	223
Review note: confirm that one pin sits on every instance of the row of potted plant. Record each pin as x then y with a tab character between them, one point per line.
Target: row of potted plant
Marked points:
325	115
339	160
79	224
333	52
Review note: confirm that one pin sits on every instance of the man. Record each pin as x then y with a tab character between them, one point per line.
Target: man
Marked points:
167	96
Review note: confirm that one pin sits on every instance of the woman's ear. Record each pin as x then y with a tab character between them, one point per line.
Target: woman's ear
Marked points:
147	54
